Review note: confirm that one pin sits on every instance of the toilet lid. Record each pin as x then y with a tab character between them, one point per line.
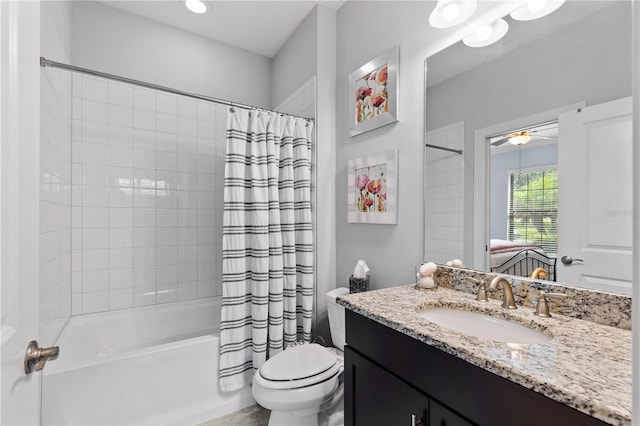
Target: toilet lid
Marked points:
298	362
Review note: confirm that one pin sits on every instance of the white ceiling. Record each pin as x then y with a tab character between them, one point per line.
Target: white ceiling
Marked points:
258	26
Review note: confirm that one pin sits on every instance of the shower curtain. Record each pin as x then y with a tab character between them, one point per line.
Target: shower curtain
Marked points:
267	245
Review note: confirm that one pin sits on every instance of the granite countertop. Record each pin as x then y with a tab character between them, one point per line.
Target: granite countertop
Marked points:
586	366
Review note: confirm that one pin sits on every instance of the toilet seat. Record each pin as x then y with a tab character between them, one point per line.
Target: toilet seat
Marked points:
298	366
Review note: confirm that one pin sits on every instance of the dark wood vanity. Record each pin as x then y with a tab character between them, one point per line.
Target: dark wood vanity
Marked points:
394	379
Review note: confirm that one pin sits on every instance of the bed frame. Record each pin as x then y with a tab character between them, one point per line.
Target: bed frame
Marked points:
523	262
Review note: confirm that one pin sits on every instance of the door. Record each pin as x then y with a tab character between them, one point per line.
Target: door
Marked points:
373	396
594	232
442	416
19	207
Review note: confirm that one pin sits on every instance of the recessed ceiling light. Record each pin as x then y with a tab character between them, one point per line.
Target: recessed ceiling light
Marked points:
487	34
451	12
196	6
535	9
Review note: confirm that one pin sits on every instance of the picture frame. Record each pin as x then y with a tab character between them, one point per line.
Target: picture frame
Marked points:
372	188
373	93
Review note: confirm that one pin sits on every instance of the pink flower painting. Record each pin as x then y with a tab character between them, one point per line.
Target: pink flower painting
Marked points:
372	97
371	189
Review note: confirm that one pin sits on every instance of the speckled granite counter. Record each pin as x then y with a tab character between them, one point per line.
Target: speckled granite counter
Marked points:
586	366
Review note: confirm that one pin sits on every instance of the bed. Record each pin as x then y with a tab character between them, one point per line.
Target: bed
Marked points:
520	258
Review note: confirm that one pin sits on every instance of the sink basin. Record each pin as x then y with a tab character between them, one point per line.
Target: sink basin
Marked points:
483	326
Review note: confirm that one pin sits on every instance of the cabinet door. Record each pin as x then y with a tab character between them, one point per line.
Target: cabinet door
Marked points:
373	396
441	416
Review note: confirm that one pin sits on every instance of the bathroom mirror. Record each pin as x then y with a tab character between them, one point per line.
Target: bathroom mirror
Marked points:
580	56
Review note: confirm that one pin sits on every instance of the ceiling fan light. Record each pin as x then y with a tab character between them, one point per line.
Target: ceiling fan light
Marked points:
449	13
519	139
535	9
196	6
487	34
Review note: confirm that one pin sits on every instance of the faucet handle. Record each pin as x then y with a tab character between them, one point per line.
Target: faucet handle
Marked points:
482	289
542	308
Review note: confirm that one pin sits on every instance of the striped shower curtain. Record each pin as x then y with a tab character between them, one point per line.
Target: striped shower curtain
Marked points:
267	278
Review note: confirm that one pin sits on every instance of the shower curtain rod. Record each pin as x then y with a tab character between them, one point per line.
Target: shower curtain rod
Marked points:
457	151
44	62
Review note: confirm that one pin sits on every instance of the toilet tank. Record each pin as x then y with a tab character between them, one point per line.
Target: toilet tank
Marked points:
336	317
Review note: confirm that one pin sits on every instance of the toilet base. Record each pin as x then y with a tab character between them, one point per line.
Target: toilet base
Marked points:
315	416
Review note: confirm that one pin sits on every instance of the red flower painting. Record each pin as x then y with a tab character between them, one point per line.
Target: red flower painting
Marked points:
372	97
371	186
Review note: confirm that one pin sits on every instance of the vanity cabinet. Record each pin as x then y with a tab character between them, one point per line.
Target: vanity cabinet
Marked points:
377	397
390	376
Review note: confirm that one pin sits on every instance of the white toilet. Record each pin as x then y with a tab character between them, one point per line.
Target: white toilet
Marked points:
303	383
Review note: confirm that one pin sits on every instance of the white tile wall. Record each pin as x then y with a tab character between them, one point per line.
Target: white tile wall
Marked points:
55	173
55	203
148	171
444	192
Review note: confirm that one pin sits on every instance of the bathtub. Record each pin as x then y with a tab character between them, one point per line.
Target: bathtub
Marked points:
152	365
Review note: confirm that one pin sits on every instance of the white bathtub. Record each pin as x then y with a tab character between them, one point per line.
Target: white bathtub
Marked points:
152	365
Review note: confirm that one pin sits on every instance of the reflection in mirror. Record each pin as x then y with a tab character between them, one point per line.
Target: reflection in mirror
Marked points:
536	76
524	201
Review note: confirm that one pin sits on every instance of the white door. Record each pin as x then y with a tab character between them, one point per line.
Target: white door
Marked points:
594	223
19	205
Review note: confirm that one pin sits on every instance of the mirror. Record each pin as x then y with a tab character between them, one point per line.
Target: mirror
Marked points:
578	56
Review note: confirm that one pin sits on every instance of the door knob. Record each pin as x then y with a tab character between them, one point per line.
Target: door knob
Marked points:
35	358
568	260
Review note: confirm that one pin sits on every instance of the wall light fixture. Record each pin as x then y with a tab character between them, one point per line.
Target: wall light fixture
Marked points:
487	34
196	6
451	12
535	9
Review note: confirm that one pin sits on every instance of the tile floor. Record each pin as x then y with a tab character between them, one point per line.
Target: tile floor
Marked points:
258	416
250	416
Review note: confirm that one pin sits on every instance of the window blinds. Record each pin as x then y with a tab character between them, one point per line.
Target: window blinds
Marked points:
533	208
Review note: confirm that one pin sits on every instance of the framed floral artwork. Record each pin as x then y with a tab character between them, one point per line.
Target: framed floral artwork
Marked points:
373	91
373	188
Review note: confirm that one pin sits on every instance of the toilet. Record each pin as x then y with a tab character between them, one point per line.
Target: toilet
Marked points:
303	384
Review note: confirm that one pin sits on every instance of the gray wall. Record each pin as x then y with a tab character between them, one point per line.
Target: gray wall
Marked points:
595	66
295	63
501	165
116	42
365	30
325	161
311	50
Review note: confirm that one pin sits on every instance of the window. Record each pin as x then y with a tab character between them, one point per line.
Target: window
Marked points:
533	208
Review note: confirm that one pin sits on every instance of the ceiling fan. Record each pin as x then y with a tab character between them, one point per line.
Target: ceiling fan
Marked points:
518	138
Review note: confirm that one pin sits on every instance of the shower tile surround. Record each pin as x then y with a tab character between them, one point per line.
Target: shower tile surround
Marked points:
55	204
55	175
444	194
147	185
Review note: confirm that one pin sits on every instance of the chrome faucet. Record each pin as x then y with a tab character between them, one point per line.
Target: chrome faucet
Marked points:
507	292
